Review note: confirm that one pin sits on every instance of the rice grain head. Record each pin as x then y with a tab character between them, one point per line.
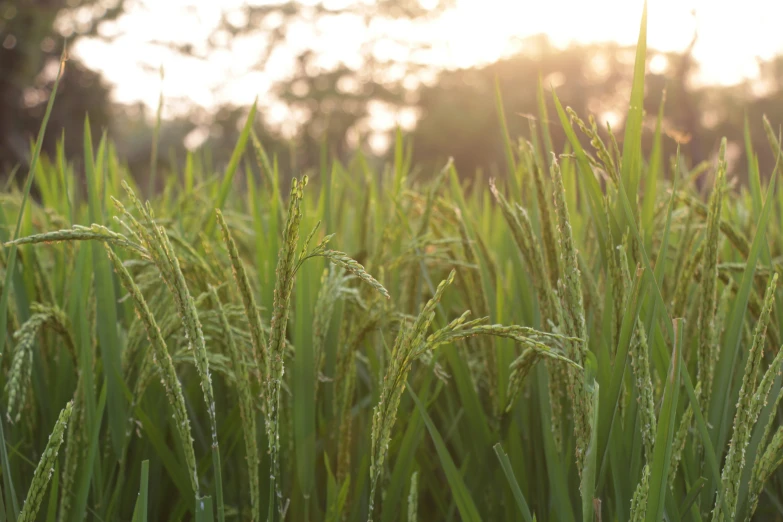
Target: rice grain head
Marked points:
45	468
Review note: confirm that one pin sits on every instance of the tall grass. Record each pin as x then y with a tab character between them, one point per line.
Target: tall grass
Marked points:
590	337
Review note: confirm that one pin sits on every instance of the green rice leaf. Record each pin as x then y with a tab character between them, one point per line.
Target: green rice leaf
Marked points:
505	463
465	505
204	512
140	511
231	169
632	144
663	438
106	303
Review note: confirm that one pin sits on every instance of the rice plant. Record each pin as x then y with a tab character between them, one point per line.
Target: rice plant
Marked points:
589	337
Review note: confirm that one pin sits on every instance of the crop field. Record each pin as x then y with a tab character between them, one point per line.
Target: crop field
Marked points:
593	337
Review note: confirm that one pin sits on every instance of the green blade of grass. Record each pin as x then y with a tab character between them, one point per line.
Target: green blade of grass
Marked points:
267	261
481	436
43	185
693	494
165	455
11	499
3	513
701	425
508	149
632	143
152	186
651	180
204	510
665	433
590	469
231	169
754	180
405	459
11	253
11	502
543	116
100	169
140	511
555	473
64	171
505	463
218	469
90	467
254	206
467	508
77	314
400	164
335	498
612	395
660	270
304	376
106	305
188	174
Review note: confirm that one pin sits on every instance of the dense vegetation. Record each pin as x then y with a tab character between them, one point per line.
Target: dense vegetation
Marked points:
217	353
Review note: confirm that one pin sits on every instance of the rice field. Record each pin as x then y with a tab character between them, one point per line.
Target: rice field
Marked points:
590	338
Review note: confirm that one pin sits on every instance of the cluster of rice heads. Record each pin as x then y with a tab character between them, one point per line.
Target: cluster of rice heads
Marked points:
251	365
591	337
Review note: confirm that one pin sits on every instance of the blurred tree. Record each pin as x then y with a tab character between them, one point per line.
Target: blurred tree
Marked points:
458	117
331	98
31	38
587	78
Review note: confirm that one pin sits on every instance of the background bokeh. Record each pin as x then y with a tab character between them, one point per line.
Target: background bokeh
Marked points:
344	74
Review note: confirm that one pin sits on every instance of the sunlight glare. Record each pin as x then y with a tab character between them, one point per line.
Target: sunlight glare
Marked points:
474	32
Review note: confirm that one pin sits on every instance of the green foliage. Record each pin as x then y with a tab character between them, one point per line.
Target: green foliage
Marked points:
169	344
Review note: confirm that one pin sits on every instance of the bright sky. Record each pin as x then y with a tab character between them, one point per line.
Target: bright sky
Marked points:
731	37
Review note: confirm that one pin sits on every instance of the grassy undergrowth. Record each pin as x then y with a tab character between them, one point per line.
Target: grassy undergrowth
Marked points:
591	338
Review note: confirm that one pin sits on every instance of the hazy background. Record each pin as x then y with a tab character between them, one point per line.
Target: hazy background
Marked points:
345	73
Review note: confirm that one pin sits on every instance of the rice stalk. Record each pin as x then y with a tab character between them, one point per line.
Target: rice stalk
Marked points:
246	412
248	301
351	336
332	287
708	339
522	232
167	262
164	364
45	468
737	239
80	233
597	143
572	304
681	439
74	451
413	498
639	500
547	215
20	373
410	341
482	349
286	270
748	408
640	363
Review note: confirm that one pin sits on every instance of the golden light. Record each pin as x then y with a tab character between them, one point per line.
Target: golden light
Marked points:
474	32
